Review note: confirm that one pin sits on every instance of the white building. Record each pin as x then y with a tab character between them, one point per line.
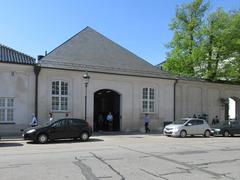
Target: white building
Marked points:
120	82
17	90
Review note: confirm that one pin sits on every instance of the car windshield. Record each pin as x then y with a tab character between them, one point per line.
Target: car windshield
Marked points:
180	121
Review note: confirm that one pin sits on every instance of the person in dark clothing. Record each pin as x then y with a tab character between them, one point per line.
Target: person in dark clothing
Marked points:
146	123
213	121
216	120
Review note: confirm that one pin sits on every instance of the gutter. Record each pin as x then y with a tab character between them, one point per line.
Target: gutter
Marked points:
37	70
174	100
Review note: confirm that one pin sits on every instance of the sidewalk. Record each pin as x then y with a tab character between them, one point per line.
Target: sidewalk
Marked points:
115	133
18	137
11	136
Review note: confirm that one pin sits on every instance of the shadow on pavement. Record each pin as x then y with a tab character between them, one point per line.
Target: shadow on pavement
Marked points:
116	133
235	136
11	139
9	144
69	141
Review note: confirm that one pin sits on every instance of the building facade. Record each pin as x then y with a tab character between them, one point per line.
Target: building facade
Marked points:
201	97
16	91
120	82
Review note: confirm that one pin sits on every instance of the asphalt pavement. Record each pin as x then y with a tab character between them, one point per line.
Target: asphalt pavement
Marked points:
122	156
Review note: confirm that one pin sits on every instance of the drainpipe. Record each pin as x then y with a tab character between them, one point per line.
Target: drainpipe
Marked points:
174	100
37	70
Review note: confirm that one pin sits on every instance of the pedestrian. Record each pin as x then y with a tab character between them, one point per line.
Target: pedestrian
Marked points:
66	115
213	121
50	117
216	120
34	121
109	121
194	116
146	123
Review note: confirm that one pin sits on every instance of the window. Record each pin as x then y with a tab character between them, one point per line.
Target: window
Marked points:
60	124
77	122
199	122
6	109
148	97
59	96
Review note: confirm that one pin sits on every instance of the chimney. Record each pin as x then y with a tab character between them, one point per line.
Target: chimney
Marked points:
39	57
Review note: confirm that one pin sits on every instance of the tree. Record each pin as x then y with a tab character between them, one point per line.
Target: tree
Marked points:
205	47
186	26
231	66
212	49
219	49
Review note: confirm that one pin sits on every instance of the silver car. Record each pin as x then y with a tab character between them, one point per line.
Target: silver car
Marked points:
188	126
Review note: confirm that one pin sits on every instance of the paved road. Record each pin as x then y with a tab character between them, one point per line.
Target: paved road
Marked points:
133	157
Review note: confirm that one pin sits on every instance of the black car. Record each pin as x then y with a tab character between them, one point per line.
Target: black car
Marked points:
59	129
229	127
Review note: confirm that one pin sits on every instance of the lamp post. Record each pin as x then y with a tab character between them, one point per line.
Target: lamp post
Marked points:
86	78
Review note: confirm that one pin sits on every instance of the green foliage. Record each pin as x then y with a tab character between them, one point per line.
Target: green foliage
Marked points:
205	47
186	26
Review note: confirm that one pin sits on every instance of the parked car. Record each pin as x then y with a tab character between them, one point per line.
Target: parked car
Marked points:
59	129
188	126
229	127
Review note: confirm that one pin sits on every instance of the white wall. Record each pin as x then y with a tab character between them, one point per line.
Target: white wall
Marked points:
129	88
195	97
18	82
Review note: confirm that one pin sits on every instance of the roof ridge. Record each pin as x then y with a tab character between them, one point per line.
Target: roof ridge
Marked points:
87	27
16	51
105	37
120	46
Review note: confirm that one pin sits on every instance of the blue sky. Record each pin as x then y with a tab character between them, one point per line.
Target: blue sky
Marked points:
141	26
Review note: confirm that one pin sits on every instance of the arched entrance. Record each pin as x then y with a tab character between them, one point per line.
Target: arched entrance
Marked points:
105	101
232	107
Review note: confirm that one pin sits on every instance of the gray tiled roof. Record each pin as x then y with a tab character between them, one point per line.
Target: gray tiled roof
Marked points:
9	55
90	50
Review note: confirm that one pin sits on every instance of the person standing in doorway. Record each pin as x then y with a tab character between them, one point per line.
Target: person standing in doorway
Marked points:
146	123
109	121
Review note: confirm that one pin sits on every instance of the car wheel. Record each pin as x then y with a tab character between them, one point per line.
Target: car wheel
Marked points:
207	133
42	138
183	133
84	136
226	133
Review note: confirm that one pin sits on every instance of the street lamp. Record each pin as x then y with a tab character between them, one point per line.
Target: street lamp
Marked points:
86	78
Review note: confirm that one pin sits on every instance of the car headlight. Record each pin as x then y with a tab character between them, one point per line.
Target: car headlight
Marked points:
31	131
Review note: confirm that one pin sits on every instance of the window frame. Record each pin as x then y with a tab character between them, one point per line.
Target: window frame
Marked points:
148	100
61	94
6	108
